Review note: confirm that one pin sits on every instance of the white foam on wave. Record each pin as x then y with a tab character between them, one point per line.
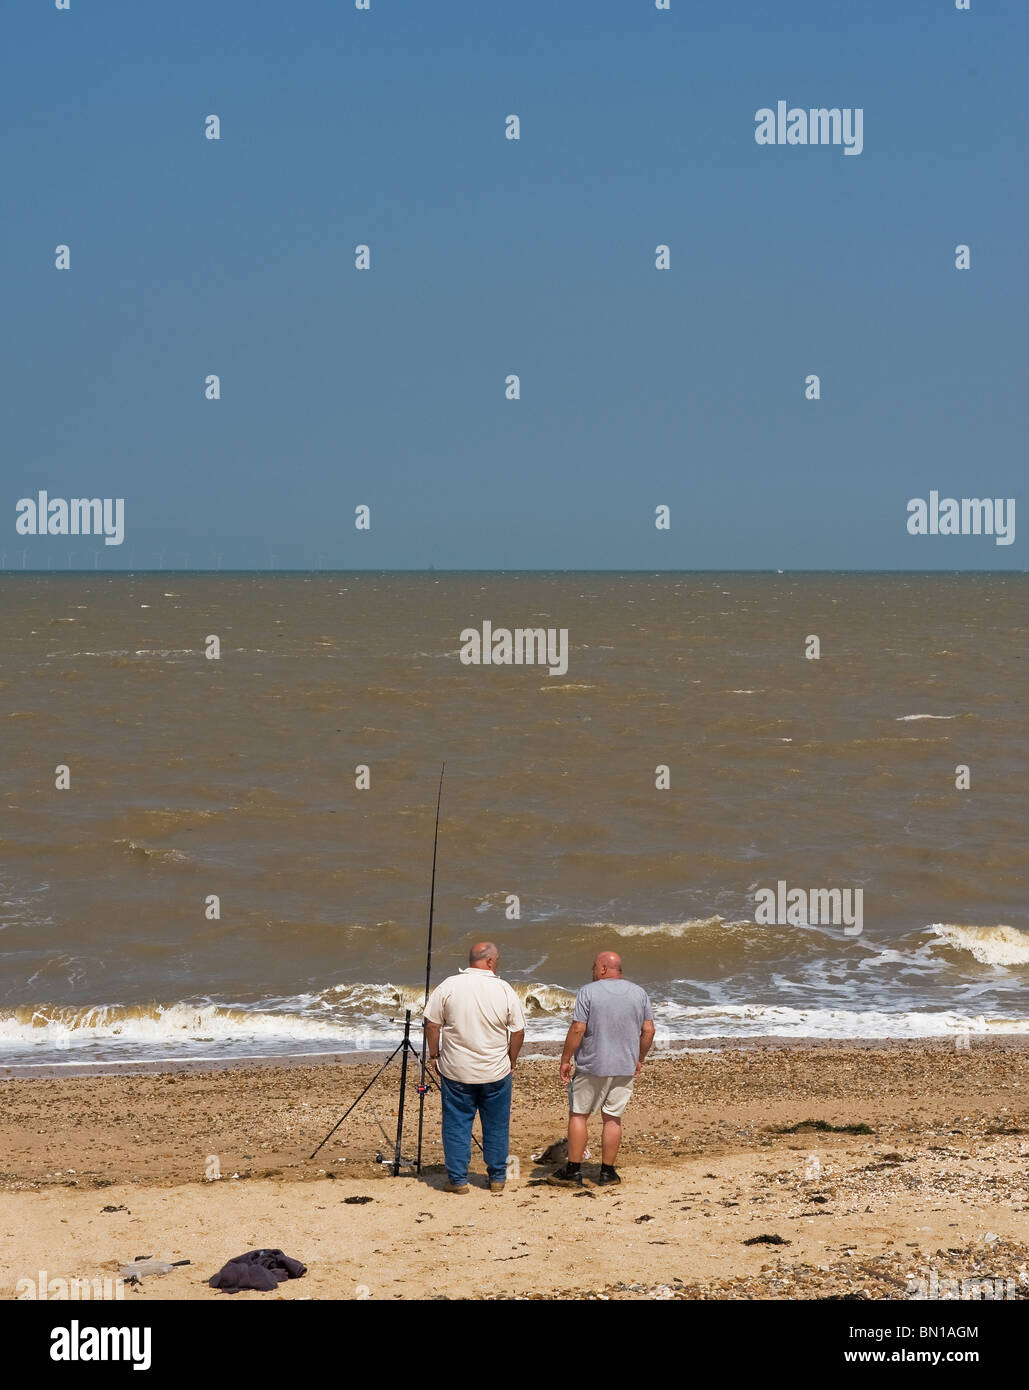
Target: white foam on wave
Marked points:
907	718
674	929
998	945
175	1023
164	856
342	1017
889	956
769	1020
369	1019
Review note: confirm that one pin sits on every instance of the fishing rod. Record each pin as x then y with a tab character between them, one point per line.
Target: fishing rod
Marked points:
405	1047
422	1088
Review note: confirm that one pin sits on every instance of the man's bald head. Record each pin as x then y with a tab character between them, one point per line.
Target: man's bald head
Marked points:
483	956
607	965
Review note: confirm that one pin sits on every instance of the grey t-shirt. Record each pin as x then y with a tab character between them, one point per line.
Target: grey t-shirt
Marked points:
613	1012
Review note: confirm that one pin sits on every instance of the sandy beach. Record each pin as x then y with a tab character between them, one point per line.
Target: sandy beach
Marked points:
922	1176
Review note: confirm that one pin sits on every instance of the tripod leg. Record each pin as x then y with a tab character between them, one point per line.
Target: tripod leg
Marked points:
421	1123
361	1097
406	1045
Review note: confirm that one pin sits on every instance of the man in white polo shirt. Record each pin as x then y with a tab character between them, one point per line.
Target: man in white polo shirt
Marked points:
474	1028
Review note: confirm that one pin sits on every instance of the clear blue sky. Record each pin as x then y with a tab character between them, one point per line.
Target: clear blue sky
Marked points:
492	257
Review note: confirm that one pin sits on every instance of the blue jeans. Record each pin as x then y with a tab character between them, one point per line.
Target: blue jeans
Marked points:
492	1099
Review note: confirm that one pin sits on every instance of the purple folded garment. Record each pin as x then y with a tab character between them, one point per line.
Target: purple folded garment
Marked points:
257	1269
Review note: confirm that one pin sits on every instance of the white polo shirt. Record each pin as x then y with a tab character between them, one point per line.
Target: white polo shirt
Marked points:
478	1012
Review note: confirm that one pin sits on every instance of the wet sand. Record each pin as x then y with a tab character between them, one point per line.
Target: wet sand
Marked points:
936	1189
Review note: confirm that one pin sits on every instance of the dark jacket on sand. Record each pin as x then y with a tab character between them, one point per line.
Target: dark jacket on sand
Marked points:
257	1269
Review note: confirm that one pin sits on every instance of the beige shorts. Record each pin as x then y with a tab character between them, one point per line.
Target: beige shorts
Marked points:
588	1094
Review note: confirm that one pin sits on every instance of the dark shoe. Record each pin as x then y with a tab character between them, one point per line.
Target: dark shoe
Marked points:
563	1177
608	1177
497	1188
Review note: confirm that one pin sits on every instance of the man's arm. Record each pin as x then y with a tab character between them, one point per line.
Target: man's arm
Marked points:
432	1032
514	1046
646	1043
576	1032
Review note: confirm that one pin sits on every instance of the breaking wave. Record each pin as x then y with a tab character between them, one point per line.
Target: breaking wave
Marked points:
55	1026
537	1000
155	1030
340	1018
989	945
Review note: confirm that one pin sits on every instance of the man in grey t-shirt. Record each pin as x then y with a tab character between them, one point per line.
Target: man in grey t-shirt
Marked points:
611	1033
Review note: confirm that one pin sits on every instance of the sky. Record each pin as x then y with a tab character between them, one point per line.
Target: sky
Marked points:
492	257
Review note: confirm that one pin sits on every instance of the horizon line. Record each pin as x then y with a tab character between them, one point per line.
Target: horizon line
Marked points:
431	569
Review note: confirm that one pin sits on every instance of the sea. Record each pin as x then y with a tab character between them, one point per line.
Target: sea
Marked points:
219	795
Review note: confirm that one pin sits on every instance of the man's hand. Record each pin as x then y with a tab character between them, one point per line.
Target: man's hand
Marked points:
432	1045
576	1033
646	1043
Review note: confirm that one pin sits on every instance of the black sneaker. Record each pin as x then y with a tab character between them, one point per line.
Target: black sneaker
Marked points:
608	1177
564	1177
